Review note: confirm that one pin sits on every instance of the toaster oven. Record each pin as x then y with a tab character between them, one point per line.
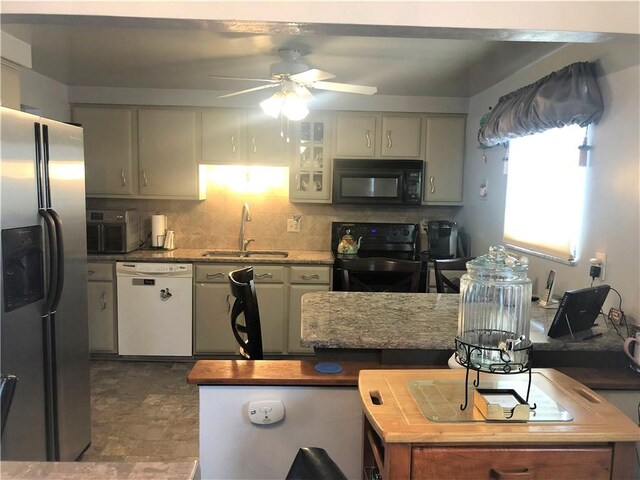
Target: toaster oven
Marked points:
112	231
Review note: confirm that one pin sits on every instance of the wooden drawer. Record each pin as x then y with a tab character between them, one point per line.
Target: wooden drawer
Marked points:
512	463
217	273
268	274
310	275
100	271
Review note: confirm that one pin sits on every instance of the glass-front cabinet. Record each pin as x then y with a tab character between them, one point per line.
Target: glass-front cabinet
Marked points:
311	170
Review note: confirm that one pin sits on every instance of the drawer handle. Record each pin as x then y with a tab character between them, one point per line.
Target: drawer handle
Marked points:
91	272
215	275
517	473
103	300
313	276
264	275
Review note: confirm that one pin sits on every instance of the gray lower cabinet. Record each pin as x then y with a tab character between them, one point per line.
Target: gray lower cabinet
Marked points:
101	308
303	280
279	289
213	301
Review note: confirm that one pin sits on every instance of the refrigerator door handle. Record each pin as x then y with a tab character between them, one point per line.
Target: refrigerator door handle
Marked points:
38	154
60	259
52	240
45	169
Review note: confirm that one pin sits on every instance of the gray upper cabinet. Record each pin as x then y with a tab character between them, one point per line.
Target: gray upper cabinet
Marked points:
355	135
223	132
110	149
400	137
169	152
378	136
444	160
141	152
240	136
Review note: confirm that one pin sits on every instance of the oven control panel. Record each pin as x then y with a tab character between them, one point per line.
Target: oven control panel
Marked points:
397	240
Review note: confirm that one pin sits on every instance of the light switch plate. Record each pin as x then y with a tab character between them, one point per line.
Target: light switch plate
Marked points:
266	412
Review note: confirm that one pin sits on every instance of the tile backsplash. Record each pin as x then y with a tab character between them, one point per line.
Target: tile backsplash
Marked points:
215	222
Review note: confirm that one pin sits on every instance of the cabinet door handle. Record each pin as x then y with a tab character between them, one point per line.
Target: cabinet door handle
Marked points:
389	141
103	300
313	276
91	272
144	177
297	182
432	182
253	142
367	134
512	474
264	275
228	304
233	144
124	178
215	275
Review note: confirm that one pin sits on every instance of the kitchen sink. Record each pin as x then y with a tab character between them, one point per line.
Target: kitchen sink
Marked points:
248	253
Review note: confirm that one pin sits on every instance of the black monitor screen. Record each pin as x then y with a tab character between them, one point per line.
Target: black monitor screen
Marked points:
578	310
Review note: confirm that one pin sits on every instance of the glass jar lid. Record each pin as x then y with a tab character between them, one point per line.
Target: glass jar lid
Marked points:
498	265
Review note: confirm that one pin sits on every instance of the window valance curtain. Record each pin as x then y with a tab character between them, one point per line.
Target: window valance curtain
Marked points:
565	97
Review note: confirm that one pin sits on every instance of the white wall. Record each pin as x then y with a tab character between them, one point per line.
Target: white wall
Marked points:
613	193
48	97
232	447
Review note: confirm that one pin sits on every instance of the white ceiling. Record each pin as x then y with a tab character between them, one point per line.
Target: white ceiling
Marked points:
111	52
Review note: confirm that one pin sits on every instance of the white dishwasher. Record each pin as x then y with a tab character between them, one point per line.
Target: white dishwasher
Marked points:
154	308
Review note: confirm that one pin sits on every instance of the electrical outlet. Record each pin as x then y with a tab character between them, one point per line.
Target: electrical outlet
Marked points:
293	224
603	263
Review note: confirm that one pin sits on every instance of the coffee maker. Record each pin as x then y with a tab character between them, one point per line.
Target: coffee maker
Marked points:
442	238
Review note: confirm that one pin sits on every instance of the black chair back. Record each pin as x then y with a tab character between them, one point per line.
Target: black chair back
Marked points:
376	274
7	387
246	303
449	284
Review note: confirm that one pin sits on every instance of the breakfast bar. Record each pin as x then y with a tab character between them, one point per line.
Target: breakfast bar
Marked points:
420	328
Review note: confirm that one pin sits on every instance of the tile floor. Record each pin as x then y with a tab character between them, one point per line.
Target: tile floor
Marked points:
142	411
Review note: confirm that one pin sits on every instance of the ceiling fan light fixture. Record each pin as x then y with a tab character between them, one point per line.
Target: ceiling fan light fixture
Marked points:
287	103
294	107
272	106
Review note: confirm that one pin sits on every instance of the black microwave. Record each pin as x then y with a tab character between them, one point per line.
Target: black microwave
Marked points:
377	182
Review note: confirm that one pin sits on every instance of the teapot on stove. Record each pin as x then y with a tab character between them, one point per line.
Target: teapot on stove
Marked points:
348	245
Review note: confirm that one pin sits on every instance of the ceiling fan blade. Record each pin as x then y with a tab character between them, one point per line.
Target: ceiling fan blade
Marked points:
268	80
310	76
255	89
303	92
345	87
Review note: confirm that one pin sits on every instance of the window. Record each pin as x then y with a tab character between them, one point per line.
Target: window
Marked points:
545	193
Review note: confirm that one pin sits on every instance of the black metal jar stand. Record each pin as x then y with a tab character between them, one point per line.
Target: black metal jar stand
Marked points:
465	351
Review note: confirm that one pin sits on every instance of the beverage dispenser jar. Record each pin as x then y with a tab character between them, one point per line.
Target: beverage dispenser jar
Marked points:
493	317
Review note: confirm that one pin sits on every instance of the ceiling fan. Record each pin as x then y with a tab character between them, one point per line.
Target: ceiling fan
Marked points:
293	79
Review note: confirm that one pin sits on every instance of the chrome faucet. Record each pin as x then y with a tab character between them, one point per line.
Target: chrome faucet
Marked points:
246	217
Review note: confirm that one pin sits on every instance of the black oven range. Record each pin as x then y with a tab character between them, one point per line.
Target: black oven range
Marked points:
387	240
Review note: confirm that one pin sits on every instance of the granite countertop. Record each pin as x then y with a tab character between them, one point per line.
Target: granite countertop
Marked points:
425	321
192	255
100	470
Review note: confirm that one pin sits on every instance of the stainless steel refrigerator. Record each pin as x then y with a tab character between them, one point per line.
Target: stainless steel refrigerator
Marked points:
44	335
